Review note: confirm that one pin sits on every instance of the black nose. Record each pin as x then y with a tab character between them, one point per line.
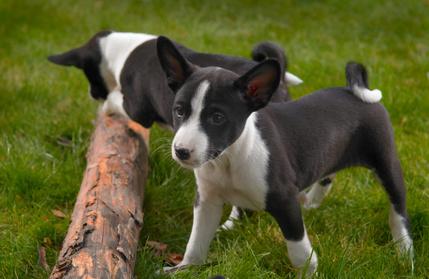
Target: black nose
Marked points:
182	153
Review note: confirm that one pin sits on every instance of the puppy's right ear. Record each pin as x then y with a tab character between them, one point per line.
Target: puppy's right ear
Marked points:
258	85
69	58
175	66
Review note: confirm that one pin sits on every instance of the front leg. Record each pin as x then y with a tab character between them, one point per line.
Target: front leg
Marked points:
207	215
284	207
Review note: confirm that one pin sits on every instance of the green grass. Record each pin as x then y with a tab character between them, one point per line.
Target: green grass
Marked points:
41	103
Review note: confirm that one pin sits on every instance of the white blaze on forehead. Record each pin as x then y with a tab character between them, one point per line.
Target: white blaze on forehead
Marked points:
190	134
198	99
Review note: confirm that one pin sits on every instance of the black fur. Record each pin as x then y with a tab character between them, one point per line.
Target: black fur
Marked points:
270	50
147	94
356	75
88	59
308	139
325	181
326	132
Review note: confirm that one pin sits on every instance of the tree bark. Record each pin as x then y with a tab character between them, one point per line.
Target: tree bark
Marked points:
107	218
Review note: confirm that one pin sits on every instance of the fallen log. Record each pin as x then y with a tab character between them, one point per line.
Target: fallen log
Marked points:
102	238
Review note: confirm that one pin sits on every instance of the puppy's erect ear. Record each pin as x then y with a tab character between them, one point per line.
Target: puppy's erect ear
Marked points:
69	58
259	83
176	67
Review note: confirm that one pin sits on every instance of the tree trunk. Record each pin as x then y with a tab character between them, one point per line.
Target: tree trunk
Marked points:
107	218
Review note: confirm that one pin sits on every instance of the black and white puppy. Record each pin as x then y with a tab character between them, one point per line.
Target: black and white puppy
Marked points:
259	155
123	69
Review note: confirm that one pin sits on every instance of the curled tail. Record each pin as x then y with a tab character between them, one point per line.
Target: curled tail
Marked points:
270	50
357	81
266	50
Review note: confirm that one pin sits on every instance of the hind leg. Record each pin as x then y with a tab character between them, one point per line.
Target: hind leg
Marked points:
399	226
236	214
285	209
318	191
390	173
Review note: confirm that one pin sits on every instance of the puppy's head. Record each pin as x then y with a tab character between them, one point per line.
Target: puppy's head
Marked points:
88	59
212	104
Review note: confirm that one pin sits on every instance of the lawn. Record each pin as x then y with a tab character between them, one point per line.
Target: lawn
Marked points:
46	118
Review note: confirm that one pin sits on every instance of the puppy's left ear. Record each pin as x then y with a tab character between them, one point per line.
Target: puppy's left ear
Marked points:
175	66
259	84
72	57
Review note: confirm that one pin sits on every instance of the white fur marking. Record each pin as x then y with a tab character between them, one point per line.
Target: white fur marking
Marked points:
292	79
366	95
238	173
115	49
114	104
190	135
400	233
236	176
301	253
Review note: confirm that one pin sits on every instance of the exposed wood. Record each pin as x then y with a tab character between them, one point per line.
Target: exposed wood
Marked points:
107	218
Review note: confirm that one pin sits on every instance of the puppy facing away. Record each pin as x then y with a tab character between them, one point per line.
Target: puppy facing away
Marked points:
123	70
255	154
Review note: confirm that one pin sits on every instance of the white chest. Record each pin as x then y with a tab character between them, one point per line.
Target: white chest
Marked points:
238	175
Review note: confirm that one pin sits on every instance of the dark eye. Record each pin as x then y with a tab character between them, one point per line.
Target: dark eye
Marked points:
217	118
180	112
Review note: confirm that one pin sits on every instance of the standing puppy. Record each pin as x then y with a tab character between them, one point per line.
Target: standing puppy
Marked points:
123	70
259	155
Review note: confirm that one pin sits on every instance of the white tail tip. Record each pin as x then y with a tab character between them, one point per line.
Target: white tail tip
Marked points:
367	95
292	79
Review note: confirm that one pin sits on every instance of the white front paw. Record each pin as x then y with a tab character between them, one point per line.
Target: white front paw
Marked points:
302	274
172	269
310	268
